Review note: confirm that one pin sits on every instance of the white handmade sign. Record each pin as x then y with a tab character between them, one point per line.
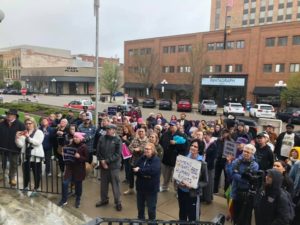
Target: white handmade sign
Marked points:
187	170
230	148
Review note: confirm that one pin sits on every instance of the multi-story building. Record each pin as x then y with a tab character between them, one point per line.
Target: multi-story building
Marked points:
245	13
247	68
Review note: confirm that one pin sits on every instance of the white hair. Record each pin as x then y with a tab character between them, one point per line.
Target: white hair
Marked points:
250	147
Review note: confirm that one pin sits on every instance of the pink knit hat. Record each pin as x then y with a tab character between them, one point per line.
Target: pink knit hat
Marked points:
140	120
79	135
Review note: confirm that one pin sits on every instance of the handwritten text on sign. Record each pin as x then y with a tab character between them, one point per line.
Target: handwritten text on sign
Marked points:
187	170
229	148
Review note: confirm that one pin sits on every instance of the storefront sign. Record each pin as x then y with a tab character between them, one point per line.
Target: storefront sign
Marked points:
71	69
220	81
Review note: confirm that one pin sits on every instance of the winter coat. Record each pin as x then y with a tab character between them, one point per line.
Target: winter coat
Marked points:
264	157
8	134
49	134
101	131
89	135
235	171
76	169
148	177
271	204
33	144
295	176
109	149
171	151
211	155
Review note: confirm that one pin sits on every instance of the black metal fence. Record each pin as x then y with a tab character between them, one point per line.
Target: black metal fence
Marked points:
18	169
218	220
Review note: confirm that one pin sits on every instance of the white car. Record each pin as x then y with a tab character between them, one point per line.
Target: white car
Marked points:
262	111
234	108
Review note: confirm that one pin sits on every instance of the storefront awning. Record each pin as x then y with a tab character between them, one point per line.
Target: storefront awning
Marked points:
130	85
58	79
175	87
266	91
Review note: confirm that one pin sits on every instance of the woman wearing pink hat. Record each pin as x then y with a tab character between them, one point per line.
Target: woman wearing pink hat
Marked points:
75	168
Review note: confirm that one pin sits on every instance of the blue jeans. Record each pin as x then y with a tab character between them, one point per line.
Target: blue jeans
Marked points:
65	189
150	199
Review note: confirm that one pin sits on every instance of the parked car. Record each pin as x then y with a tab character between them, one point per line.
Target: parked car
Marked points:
234	108
132	101
10	91
208	106
184	105
118	93
295	119
149	103
286	115
251	123
165	104
262	111
78	104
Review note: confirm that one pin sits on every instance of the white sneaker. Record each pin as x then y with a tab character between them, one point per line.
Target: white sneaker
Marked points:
163	189
49	174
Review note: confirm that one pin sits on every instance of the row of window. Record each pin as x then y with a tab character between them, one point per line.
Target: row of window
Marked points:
229	45
12	62
141	51
282	41
280	68
179	48
238	68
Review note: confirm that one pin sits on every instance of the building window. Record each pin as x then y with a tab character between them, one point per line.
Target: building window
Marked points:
172	69
281	6
282	41
188	48
166	49
238	68
296	40
267	68
181	48
289	4
130	52
183	69
261	20
245	11
245	22
270	7
279	18
270	42
228	68
218	68
252	10
219	45
269	19
210	69
294	67
288	17
246	1
165	69
211	46
279	68
230	44
240	44
252	21
298	15
172	49
263	8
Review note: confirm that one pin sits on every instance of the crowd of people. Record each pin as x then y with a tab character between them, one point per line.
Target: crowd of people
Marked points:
263	174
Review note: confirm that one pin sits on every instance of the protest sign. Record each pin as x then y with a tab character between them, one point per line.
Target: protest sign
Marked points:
187	170
230	148
69	154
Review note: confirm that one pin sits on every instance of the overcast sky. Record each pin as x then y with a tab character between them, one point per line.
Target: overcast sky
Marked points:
70	24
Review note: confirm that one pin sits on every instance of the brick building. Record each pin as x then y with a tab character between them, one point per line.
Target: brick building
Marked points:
255	58
245	13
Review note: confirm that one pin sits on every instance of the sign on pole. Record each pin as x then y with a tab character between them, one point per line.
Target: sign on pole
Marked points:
187	170
230	148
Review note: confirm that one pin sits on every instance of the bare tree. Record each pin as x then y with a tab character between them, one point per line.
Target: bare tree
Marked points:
196	64
145	65
110	78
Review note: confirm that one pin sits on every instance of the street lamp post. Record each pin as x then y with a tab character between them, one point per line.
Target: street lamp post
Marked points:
96	13
280	84
54	82
163	83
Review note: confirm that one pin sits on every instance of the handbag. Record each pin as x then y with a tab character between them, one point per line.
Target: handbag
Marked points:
125	152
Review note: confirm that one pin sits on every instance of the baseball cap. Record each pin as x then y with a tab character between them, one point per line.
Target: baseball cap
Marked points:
290	125
172	124
111	126
241	140
262	134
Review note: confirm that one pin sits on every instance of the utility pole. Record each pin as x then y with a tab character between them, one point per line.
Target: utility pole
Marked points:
96	13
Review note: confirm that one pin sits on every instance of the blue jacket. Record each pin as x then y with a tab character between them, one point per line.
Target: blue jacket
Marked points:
235	171
295	175
148	177
89	135
49	135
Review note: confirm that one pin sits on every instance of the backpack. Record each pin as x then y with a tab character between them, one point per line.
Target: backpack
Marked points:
291	205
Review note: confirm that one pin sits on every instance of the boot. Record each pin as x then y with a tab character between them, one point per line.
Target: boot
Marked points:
130	191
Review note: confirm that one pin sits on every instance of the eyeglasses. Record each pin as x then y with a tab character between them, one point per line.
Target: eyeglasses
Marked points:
28	123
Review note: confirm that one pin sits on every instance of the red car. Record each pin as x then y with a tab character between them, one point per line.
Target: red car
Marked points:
78	104
184	105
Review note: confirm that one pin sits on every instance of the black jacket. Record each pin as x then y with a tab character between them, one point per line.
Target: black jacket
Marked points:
211	155
171	151
264	157
8	134
271	204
